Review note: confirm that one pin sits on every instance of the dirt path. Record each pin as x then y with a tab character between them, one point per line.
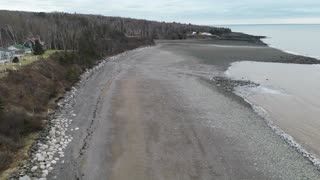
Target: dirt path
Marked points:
148	115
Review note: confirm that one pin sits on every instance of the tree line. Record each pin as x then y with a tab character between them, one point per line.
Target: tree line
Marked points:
63	31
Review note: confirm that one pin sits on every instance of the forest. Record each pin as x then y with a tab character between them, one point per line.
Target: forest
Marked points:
62	30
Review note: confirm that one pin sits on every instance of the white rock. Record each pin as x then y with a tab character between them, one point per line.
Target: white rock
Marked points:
45	173
50	157
53	162
34	168
42	167
41	158
25	178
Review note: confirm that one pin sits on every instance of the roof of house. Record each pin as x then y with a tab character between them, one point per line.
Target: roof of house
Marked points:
4	50
206	34
20	47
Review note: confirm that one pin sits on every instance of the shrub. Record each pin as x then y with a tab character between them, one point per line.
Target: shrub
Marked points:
65	58
17	122
15	60
37	48
72	74
5	159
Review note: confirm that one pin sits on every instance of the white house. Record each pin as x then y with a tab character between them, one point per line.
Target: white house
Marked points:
6	55
206	34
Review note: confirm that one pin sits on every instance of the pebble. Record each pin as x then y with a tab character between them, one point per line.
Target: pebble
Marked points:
25	178
34	168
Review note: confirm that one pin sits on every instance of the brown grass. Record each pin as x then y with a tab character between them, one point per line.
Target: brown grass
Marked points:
27	94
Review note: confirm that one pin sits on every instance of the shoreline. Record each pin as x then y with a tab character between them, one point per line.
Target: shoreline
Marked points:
226	86
306	147
287	137
94	68
248	145
293	53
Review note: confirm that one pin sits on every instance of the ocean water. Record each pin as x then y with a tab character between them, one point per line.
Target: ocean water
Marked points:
288	94
298	39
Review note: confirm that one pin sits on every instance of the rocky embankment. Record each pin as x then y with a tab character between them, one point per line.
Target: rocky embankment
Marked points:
49	149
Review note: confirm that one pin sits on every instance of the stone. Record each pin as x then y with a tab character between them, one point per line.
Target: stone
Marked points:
34	168
40	158
25	178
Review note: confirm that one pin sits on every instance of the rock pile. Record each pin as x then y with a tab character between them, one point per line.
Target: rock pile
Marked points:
229	84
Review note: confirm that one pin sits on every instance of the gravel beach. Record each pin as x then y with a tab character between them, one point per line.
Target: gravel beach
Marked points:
162	112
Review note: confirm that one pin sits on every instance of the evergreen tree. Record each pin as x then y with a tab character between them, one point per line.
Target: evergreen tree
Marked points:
37	49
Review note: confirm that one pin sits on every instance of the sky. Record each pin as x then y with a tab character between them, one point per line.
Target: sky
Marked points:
204	12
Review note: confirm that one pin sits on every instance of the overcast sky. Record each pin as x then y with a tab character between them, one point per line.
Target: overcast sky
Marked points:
208	12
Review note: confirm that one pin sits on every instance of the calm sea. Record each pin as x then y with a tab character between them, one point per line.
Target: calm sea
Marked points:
299	39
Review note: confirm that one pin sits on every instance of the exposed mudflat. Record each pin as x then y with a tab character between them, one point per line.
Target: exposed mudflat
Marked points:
154	114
